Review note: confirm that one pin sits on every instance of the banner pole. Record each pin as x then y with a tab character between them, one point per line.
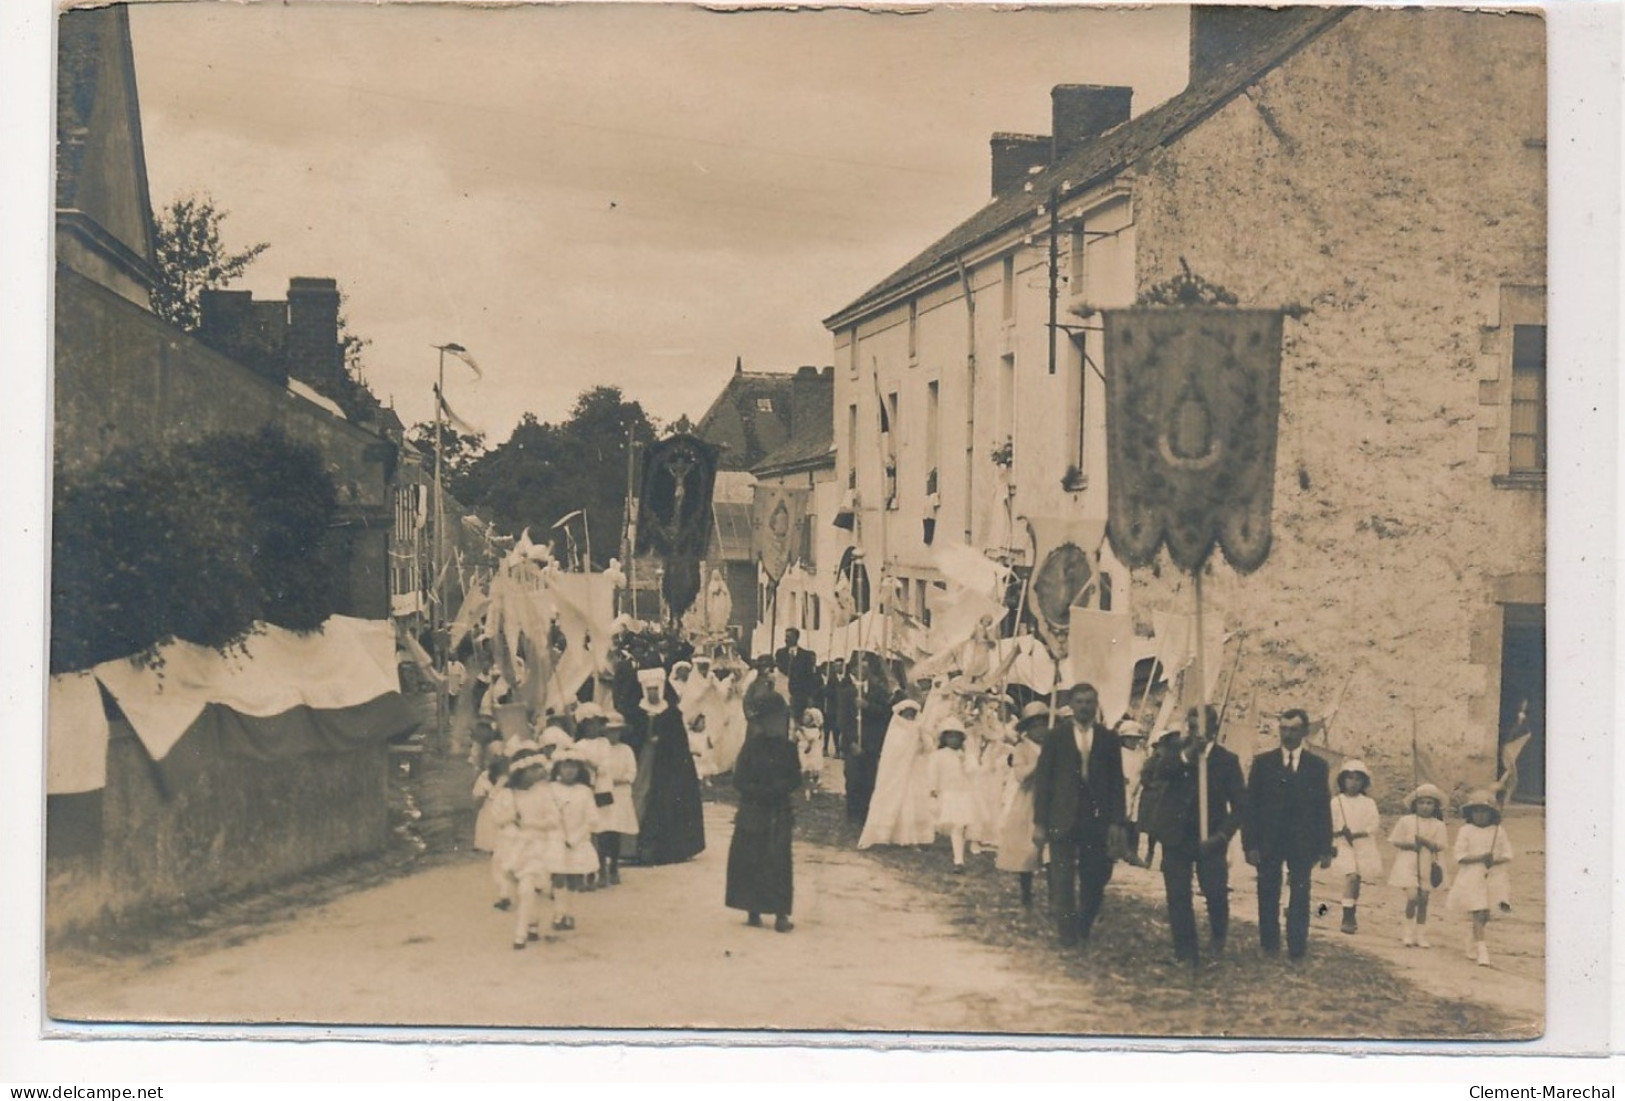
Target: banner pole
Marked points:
1200	661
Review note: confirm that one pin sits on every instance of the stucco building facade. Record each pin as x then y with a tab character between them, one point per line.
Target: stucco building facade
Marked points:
1385	170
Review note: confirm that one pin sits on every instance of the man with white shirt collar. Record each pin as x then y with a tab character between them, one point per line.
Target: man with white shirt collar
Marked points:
1288	822
1078	802
1200	809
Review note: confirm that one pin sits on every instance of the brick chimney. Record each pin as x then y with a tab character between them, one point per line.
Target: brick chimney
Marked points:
313	355
1081	112
249	332
1015	156
1222	32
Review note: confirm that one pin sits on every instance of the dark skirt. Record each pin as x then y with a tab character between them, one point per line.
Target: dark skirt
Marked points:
860	785
759	870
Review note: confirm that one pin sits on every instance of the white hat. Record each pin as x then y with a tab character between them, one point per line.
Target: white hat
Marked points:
589	710
652	677
907	702
676	665
556	738
613	718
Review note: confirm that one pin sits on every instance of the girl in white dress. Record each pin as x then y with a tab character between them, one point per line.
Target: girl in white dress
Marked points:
988	748
949	777
727	740
1419	837
810	748
1017	852
1132	735
529	825
573	856
491	777
900	811
617	822
1483	886
1355	821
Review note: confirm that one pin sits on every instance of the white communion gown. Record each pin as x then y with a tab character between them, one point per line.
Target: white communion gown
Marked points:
900	811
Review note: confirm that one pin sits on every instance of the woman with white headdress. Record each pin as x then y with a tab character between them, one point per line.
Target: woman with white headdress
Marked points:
728	716
900	811
671	826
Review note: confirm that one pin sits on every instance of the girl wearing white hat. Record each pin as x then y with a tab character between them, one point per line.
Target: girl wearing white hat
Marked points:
572	857
1017	852
1483	852
1419	837
525	851
1355	821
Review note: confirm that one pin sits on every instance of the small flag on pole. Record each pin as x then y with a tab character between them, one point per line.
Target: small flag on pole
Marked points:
461	353
456	422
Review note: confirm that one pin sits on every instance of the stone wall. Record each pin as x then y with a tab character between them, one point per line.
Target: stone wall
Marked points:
124	377
138	850
1391	178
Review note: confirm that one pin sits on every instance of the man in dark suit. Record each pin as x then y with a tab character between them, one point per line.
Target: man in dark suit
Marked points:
865	710
830	685
1186	845
1078	802
801	667
1288	821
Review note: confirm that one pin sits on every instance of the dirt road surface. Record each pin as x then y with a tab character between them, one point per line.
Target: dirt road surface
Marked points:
868	953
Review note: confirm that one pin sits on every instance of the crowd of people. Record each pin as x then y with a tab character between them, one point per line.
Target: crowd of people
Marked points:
568	795
1045	783
1054	788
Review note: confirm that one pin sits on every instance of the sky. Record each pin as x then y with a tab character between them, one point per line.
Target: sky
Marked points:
584	194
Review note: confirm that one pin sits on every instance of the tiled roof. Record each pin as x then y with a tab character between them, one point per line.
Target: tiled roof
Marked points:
1119	147
809	447
749	419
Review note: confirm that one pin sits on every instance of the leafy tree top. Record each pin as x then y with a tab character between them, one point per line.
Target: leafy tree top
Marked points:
192	258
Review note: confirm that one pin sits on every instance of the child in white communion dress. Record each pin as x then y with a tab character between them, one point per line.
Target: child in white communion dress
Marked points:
1419	837
950	780
1355	821
1483	886
529	823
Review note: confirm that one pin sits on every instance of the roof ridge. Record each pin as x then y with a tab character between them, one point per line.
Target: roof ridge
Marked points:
1111	151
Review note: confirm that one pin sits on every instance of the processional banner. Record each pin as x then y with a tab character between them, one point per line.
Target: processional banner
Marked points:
1192	400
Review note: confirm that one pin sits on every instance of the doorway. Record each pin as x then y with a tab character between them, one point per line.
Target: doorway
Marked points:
1523	694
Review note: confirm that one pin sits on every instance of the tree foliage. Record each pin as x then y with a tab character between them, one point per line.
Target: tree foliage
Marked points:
459	452
545	471
192	258
196	541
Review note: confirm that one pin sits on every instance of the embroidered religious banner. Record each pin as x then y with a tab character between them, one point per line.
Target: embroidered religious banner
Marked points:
680	583
674	511
1066	575
1192	397
776	522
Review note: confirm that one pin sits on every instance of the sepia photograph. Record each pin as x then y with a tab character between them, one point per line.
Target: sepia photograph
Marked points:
966	521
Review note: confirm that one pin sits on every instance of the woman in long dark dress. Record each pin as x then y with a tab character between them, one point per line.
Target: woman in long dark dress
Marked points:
671	826
767	774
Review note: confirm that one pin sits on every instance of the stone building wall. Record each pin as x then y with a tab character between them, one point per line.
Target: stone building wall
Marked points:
124	377
1390	176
